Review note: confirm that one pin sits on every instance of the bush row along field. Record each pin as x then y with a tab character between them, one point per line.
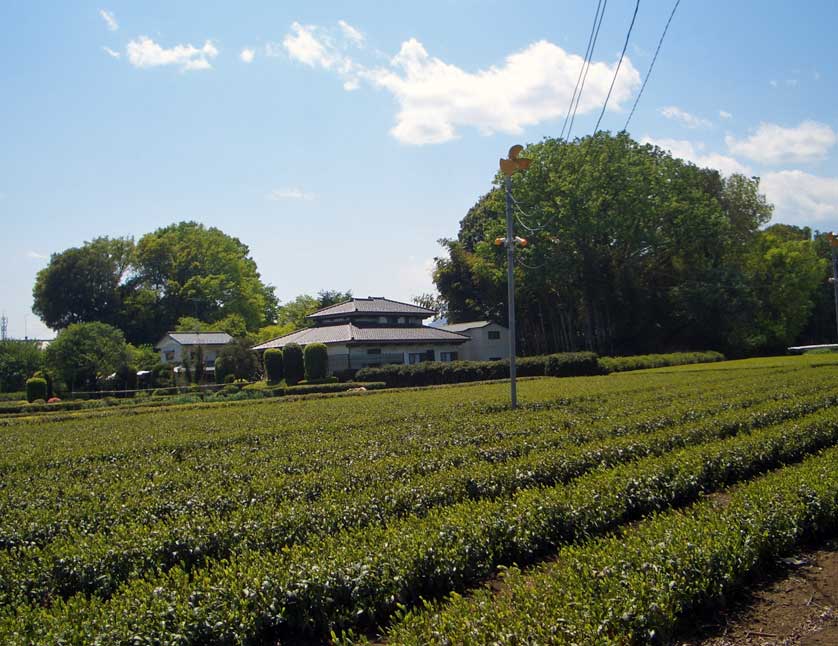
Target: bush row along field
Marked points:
256	522
634	588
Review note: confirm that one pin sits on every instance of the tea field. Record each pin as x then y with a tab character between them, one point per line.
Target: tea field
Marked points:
605	510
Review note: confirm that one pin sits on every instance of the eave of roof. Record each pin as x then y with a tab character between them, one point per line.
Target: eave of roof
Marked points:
353	335
372	306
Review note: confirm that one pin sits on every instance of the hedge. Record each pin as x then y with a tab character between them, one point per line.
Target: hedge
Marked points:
450	372
643	361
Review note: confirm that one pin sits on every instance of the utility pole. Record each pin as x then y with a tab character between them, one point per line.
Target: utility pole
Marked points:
833	246
508	167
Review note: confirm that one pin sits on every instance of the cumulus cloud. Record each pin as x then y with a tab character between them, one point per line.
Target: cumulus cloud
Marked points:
351	34
435	98
110	19
801	198
247	55
289	194
685	118
724	114
774	144
694	152
144	52
111	52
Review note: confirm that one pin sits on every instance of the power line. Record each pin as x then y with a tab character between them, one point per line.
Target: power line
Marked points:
651	65
585	62
587	69
619	63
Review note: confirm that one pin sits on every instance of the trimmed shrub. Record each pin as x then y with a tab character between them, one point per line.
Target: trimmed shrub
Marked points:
452	372
229	379
644	361
43	374
572	364
273	365
292	360
36	389
316	360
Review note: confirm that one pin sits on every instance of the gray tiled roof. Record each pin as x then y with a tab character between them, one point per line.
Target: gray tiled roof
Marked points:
372	305
348	333
462	327
202	338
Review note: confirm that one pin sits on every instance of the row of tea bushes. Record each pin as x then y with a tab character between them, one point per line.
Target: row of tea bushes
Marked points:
635	587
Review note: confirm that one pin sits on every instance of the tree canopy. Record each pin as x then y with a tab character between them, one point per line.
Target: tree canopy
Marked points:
183	270
85	353
631	250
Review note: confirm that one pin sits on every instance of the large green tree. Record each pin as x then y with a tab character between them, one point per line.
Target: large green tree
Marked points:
18	361
202	272
185	269
85	353
629	250
84	283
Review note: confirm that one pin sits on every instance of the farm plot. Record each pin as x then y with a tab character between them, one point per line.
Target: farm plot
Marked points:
341	518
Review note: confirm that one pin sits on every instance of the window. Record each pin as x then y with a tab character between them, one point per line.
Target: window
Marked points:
170	355
382	319
401	320
447	356
494	335
416	357
374	351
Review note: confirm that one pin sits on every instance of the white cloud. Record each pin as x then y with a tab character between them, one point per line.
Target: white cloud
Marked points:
724	114
774	144
801	198
111	52
694	152
308	47
36	256
435	97
289	194
773	83
110	19
247	55
685	118
352	34
144	52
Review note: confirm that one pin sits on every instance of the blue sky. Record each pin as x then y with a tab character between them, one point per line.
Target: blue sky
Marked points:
340	140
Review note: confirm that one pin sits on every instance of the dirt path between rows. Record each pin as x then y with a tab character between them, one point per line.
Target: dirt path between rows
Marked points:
796	604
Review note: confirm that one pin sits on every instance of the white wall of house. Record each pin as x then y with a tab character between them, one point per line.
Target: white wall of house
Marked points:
342	357
486	343
172	352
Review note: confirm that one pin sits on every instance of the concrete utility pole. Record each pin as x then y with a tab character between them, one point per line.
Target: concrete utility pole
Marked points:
508	167
833	245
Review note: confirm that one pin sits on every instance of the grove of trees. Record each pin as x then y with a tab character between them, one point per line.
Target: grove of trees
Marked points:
630	251
144	289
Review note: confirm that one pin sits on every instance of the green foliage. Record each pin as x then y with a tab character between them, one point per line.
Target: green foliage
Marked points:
36	388
639	252
84	284
316	361
364	505
84	353
143	357
273	365
293	314
237	359
292	361
641	362
452	372
18	360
